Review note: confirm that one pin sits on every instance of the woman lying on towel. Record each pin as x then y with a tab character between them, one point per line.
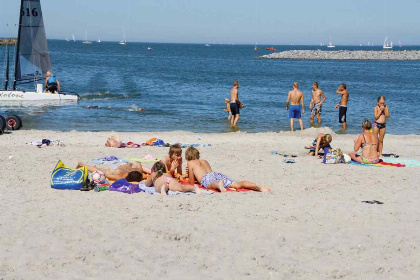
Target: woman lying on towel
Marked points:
368	141
132	171
163	181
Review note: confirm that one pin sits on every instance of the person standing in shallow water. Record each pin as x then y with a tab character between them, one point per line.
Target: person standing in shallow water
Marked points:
234	104
342	112
295	97
318	98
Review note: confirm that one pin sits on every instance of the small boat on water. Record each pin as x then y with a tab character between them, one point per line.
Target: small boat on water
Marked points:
86	40
99	40
32	61
387	45
123	42
149	48
330	44
207	45
270	49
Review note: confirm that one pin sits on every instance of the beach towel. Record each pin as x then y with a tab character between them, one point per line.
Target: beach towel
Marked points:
406	161
122	185
66	178
380	164
143	160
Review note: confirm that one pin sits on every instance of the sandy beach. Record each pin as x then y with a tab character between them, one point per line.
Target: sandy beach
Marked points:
312	226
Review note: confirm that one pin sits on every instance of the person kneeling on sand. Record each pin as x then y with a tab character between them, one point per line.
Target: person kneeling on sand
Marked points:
200	170
321	141
132	171
368	141
164	181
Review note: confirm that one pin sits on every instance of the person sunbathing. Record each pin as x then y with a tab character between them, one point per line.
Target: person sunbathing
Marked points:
173	161
163	181
368	141
132	171
321	141
200	170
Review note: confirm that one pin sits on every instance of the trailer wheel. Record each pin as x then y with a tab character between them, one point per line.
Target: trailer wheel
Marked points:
13	122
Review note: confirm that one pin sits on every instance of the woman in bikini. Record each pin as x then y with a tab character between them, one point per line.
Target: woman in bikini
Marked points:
381	113
131	171
368	141
163	181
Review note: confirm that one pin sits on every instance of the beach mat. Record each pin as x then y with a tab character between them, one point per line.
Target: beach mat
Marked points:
406	161
151	190
381	164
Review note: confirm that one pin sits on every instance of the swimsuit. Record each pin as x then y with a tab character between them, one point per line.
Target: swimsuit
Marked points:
317	109
294	112
369	160
379	125
234	108
342	114
214	176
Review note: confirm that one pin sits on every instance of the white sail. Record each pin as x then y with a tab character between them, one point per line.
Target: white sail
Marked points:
387	45
123	42
330	44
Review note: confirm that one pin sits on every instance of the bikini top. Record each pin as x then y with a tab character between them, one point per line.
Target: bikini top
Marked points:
367	144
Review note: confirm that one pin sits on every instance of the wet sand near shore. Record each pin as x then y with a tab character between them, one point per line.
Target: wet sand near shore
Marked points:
313	225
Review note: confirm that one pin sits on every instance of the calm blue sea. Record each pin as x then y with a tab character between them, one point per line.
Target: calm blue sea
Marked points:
183	87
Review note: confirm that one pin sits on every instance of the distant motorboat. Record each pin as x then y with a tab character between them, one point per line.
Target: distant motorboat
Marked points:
330	44
256	48
207	45
149	48
270	49
387	45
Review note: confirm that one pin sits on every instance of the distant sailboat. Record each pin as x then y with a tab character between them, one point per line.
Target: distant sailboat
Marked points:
387	45
86	41
74	39
123	42
99	40
321	44
330	44
67	39
256	48
207	45
399	43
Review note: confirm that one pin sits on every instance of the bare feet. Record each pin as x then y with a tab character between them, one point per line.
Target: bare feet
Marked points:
262	188
221	186
197	189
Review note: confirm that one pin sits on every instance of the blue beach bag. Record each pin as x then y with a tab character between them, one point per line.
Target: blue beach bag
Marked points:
66	178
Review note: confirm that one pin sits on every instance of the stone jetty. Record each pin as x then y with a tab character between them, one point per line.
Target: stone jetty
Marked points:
345	55
7	41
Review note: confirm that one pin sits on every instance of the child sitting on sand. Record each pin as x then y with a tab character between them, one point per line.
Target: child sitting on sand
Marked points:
200	170
321	141
227	102
173	161
163	181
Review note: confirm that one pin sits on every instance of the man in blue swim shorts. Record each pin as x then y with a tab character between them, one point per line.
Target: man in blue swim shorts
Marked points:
294	98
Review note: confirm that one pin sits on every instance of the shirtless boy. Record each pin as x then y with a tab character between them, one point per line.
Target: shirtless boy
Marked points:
318	98
200	170
227	102
342	112
234	104
295	96
132	171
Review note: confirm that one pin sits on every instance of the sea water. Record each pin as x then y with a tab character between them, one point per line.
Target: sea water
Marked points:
183	87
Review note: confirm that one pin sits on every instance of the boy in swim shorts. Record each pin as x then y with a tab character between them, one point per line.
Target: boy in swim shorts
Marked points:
295	97
200	170
227	102
342	112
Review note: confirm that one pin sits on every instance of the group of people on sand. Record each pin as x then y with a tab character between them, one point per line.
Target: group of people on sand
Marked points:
371	140
166	174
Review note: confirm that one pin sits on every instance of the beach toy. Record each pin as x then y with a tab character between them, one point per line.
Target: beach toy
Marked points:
97	176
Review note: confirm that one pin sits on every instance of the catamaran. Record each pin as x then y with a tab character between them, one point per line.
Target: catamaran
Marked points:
32	61
387	45
123	42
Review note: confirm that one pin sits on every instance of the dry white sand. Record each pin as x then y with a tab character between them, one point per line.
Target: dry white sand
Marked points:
312	226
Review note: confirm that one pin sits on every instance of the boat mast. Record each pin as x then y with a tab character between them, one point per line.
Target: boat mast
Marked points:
6	83
18	43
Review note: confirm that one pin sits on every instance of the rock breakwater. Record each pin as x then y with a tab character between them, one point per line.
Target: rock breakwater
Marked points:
344	55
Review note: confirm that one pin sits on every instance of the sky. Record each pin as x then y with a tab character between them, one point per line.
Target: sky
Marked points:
276	22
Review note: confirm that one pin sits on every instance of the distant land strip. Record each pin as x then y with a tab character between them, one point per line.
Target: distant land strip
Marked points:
345	55
8	41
